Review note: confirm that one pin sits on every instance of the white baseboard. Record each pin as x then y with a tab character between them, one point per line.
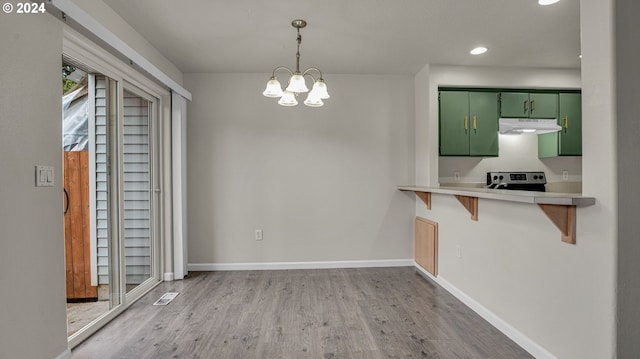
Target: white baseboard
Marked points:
168	277
300	265
518	337
65	354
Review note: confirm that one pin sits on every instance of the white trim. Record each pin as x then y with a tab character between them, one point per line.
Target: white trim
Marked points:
300	265
79	48
88	22
93	241
168	277
64	355
179	185
518	337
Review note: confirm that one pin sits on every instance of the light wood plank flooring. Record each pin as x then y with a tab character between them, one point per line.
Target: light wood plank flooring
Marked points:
371	313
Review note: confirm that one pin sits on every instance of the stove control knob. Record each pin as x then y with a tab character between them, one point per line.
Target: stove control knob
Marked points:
501	178
535	177
495	178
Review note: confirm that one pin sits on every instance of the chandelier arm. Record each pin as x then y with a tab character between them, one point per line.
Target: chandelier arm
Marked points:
313	68
313	79
273	74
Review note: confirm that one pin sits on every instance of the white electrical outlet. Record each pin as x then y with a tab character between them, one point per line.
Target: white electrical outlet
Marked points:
565	175
456	175
258	234
458	251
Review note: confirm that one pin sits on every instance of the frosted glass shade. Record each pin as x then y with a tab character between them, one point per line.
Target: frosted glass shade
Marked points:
288	99
273	88
320	89
313	101
296	84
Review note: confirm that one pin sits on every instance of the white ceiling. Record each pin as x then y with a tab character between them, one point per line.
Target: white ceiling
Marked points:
356	36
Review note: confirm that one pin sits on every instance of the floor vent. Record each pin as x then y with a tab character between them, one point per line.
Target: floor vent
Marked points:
166	298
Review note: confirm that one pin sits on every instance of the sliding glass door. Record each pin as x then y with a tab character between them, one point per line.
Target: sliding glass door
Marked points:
91	249
112	187
138	187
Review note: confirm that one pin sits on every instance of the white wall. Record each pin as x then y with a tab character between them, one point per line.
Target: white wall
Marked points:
517	153
513	262
320	182
32	269
627	78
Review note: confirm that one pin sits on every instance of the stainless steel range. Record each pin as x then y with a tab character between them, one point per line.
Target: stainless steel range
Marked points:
519	181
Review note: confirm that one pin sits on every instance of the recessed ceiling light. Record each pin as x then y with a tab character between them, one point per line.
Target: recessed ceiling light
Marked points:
478	50
547	2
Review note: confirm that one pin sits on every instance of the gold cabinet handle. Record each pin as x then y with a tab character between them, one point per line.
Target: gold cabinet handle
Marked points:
526	106
466	123
533	105
565	125
474	123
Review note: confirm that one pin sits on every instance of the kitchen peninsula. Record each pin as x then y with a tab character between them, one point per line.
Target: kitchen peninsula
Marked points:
560	208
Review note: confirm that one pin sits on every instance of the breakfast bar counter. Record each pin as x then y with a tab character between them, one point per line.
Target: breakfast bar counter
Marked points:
560	208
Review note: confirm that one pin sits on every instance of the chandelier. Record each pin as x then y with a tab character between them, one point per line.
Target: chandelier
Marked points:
296	84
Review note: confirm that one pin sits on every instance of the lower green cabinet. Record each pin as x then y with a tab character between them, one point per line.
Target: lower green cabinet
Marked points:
468	123
568	141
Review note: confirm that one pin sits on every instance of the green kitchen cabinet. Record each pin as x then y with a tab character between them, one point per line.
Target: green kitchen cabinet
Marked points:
568	141
528	105
468	123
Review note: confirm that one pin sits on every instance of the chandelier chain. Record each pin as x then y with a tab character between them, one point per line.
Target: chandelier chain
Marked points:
298	52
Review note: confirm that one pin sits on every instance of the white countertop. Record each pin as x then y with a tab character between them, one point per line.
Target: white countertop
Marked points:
567	199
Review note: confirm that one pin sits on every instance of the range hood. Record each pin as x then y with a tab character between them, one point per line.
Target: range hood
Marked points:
536	126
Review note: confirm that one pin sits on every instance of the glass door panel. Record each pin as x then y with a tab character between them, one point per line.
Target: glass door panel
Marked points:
137	180
91	252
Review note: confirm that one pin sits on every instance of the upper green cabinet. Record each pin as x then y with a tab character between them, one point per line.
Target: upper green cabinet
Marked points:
468	123
528	105
567	142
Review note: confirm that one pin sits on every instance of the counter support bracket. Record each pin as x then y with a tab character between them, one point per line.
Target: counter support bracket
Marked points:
564	218
425	197
470	203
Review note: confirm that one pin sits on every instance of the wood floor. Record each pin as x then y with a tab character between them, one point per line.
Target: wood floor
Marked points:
371	313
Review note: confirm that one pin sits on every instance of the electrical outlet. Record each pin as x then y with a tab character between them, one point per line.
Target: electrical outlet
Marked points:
565	175
456	175
458	251
258	234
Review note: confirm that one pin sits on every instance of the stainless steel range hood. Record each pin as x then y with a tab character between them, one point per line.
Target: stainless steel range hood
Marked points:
535	126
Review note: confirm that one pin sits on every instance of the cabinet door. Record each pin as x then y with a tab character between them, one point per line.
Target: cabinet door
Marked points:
543	105
426	245
514	104
454	123
483	124
570	141
567	142
524	105
548	145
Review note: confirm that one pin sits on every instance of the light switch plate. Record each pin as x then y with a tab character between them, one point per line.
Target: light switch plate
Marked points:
44	176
